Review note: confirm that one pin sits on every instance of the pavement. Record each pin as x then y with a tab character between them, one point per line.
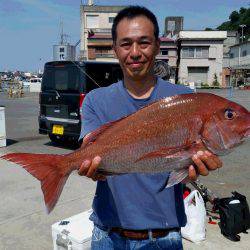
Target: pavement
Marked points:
24	224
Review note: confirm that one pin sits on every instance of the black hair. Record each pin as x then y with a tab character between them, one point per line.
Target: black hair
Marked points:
131	12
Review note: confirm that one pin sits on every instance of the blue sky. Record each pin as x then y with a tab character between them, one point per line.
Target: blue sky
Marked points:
29	28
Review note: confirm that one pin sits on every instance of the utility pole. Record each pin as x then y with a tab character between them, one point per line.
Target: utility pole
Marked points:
242	32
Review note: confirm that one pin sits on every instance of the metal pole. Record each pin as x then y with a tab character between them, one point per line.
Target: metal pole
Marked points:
242	32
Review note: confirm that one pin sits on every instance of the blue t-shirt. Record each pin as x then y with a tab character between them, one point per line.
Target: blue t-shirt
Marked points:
132	201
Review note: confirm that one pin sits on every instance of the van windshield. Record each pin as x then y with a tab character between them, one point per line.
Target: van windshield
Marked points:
63	79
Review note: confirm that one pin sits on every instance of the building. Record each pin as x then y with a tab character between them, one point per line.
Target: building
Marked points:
173	25
239	63
96	24
168	54
232	39
99	47
168	51
200	57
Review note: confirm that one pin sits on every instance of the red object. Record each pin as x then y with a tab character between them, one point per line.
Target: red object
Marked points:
186	192
210	221
145	141
81	100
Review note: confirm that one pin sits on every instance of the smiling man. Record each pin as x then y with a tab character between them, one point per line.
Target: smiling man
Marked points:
129	212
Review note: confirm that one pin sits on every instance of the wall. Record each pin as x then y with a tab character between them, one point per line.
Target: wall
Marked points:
213	62
104	12
236	51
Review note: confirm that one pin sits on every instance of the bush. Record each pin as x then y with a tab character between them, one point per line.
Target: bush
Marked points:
215	82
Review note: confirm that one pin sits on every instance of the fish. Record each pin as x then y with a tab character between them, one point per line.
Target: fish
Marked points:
160	137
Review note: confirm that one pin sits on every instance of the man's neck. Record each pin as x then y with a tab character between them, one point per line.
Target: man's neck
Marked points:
142	88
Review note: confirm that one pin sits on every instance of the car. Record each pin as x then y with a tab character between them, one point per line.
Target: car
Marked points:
64	86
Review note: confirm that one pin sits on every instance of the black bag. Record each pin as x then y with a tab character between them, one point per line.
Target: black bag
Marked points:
234	215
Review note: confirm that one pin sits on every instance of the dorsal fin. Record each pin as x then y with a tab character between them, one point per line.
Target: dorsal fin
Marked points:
91	137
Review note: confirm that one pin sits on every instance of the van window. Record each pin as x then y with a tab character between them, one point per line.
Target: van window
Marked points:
66	79
103	74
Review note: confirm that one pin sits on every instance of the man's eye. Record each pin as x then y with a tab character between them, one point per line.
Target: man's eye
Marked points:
144	44
125	45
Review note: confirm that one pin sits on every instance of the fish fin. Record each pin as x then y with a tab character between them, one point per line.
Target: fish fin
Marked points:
45	168
91	137
107	173
176	177
171	152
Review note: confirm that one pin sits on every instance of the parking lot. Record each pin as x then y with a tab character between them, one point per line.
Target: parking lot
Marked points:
24	223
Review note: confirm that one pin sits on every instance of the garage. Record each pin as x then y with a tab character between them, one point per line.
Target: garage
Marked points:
197	74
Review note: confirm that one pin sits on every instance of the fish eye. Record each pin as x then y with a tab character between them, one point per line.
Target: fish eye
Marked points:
229	114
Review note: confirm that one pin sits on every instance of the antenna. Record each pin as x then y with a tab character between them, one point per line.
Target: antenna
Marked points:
90	2
63	36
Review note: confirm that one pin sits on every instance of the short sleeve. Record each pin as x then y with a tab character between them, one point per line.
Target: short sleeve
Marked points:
90	120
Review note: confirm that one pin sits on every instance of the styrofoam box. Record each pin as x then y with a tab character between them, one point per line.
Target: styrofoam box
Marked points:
2	127
73	233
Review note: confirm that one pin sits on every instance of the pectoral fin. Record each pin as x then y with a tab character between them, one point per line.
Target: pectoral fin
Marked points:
171	153
177	176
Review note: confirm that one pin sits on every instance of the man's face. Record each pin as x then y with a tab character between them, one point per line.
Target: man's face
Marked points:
136	47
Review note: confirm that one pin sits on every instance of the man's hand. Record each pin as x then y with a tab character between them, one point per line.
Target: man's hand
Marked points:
204	162
89	169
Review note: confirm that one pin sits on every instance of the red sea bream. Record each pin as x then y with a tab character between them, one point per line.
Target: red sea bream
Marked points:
160	137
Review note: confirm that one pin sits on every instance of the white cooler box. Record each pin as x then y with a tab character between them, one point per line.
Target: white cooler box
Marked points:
73	233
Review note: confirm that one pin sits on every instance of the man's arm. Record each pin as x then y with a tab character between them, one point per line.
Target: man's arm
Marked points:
89	167
90	122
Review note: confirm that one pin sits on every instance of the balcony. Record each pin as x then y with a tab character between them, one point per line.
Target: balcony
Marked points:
104	55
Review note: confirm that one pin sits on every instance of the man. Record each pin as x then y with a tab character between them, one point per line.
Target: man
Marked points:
129	212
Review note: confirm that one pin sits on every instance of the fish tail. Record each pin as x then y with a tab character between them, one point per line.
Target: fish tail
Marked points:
47	169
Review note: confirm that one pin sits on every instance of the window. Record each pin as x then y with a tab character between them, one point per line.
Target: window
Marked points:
65	79
61	49
244	53
188	52
111	19
92	21
195	52
171	25
231	55
164	52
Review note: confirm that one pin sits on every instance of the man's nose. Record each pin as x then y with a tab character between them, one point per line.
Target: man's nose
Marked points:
135	52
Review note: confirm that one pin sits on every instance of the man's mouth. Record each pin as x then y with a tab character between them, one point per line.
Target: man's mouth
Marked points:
135	65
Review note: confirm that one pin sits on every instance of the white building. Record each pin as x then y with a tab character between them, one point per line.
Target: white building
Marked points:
239	63
240	55
201	56
96	22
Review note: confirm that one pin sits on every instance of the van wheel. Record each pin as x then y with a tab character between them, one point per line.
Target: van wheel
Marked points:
56	139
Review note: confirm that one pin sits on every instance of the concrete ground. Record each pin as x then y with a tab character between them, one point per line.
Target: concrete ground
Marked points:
24	223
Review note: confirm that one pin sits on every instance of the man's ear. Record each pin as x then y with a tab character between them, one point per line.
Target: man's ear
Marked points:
114	49
158	44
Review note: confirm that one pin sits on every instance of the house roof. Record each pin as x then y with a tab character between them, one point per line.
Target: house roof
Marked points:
239	44
100	36
202	35
166	39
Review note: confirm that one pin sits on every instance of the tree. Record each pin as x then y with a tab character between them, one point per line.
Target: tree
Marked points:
234	17
242	10
215	81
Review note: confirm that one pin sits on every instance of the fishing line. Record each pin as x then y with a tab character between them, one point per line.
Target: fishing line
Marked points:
84	72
